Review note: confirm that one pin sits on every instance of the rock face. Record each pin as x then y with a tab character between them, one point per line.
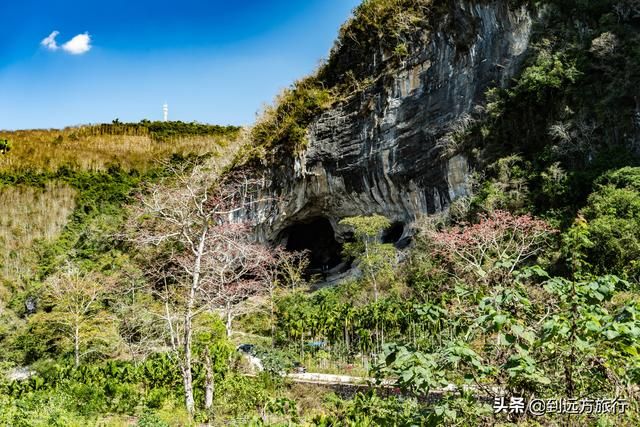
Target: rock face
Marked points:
381	151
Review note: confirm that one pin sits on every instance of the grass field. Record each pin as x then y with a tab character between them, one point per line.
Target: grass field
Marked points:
95	149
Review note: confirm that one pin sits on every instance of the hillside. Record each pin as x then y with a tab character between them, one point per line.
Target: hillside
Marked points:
56	185
449	207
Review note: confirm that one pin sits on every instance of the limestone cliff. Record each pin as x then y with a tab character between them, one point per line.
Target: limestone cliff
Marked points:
381	150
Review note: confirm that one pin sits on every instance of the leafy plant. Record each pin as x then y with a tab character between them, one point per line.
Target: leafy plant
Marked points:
374	258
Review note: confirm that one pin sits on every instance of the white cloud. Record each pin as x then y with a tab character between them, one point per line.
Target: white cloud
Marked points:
76	46
50	41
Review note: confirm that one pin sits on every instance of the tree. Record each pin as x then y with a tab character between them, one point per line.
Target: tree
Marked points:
77	310
591	334
205	262
376	259
286	271
611	222
494	247
238	270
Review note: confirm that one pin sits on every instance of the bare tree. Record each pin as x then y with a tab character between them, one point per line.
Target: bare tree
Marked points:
77	300
205	261
280	270
238	270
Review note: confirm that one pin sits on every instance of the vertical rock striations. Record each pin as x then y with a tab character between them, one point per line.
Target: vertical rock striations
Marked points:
383	149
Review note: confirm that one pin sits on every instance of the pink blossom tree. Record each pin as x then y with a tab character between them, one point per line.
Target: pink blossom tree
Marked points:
493	247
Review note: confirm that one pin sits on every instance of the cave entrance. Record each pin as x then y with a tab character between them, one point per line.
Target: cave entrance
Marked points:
317	237
393	233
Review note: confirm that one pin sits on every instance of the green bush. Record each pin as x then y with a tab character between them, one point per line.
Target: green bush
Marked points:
551	71
612	215
150	419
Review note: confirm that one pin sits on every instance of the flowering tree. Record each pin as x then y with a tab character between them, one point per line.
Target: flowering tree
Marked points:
206	262
493	247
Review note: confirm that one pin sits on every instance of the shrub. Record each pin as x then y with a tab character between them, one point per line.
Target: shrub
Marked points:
551	71
612	219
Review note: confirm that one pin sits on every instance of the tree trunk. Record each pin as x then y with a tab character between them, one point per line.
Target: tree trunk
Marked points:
208	381
371	273
228	323
346	336
76	346
272	318
187	374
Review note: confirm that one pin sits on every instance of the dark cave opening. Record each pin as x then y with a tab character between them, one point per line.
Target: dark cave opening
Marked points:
317	237
393	233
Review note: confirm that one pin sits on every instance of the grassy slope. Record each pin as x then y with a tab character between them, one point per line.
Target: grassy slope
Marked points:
95	148
59	187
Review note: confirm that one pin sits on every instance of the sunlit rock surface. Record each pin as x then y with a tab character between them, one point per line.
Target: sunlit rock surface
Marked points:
381	151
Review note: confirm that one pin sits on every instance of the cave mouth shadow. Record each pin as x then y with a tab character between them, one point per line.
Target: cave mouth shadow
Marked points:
316	236
393	233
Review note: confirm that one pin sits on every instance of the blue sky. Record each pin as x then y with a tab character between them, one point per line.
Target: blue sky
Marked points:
211	61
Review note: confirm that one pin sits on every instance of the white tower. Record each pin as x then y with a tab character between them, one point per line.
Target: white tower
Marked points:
165	112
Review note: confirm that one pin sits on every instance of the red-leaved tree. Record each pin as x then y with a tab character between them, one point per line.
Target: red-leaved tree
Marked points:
493	247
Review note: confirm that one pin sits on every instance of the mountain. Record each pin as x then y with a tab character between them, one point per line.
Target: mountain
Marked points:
420	100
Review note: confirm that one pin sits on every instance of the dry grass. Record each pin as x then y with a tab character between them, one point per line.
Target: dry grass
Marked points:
48	150
28	214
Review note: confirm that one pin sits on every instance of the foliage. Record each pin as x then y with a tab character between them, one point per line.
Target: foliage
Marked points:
370	410
375	259
628	177
494	247
82	396
417	373
595	341
590	337
377	29
76	301
573	99
282	129
612	225
274	361
159	130
508	190
549	72
350	326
